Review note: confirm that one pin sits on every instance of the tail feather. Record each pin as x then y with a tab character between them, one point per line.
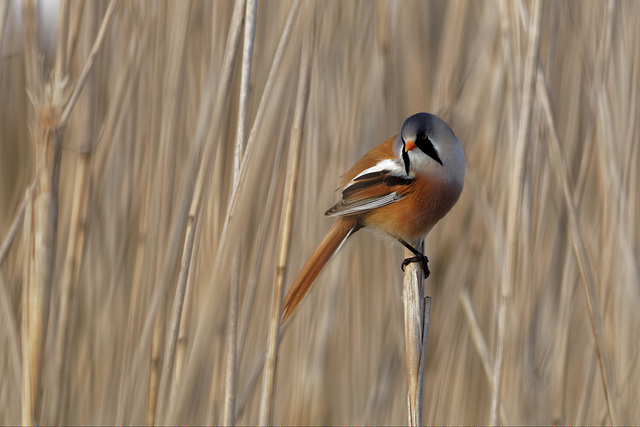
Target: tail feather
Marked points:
340	231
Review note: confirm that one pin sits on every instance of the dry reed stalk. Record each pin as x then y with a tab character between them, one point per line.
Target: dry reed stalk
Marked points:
124	96
205	166
581	254
11	324
172	85
191	201
448	70
264	100
32	72
4	13
417	309
18	219
88	65
476	334
27	387
71	269
267	398
72	38
43	229
77	224
515	201
567	288
50	124
204	121
266	96
229	410
260	242
250	385
176	313
248	301
479	342
61	46
154	369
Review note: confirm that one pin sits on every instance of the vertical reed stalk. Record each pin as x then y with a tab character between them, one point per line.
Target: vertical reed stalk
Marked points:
232	319
267	397
417	309
582	256
173	86
44	220
18	219
52	114
266	95
515	203
27	388
208	109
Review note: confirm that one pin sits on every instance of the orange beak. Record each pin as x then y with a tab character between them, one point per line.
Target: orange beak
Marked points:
409	145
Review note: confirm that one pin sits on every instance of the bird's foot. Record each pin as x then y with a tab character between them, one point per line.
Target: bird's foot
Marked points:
423	260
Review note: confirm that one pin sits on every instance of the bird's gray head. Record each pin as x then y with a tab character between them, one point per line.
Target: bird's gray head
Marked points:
426	141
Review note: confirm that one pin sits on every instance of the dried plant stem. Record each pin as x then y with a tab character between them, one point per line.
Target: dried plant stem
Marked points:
284	242
70	273
32	73
232	318
247	61
152	393
176	312
260	241
266	96
191	200
249	386
72	39
49	124
4	13
18	219
61	47
27	387
562	329
208	109
88	65
249	299
43	230
476	334
8	318
417	309
515	201
479	342
581	254
173	85
77	228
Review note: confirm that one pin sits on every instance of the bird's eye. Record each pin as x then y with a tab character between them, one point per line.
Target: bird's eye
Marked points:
424	136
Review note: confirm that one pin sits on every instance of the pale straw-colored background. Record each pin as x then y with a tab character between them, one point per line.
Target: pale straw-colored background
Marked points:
546	109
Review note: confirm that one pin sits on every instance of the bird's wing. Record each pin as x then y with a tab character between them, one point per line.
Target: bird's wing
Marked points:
382	184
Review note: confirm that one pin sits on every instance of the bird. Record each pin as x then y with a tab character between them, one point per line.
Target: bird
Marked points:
401	187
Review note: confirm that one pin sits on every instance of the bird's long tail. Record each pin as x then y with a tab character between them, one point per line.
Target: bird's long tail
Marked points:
337	235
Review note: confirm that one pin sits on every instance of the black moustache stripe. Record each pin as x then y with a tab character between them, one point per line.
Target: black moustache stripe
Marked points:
405	159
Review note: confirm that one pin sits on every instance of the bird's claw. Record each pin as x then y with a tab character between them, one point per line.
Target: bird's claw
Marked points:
423	260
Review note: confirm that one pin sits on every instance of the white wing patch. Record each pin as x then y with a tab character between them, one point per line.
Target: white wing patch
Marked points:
366	204
392	167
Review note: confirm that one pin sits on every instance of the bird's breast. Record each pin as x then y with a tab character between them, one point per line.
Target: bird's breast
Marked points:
413	216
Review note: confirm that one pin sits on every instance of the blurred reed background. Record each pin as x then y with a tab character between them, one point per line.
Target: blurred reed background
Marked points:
535	272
